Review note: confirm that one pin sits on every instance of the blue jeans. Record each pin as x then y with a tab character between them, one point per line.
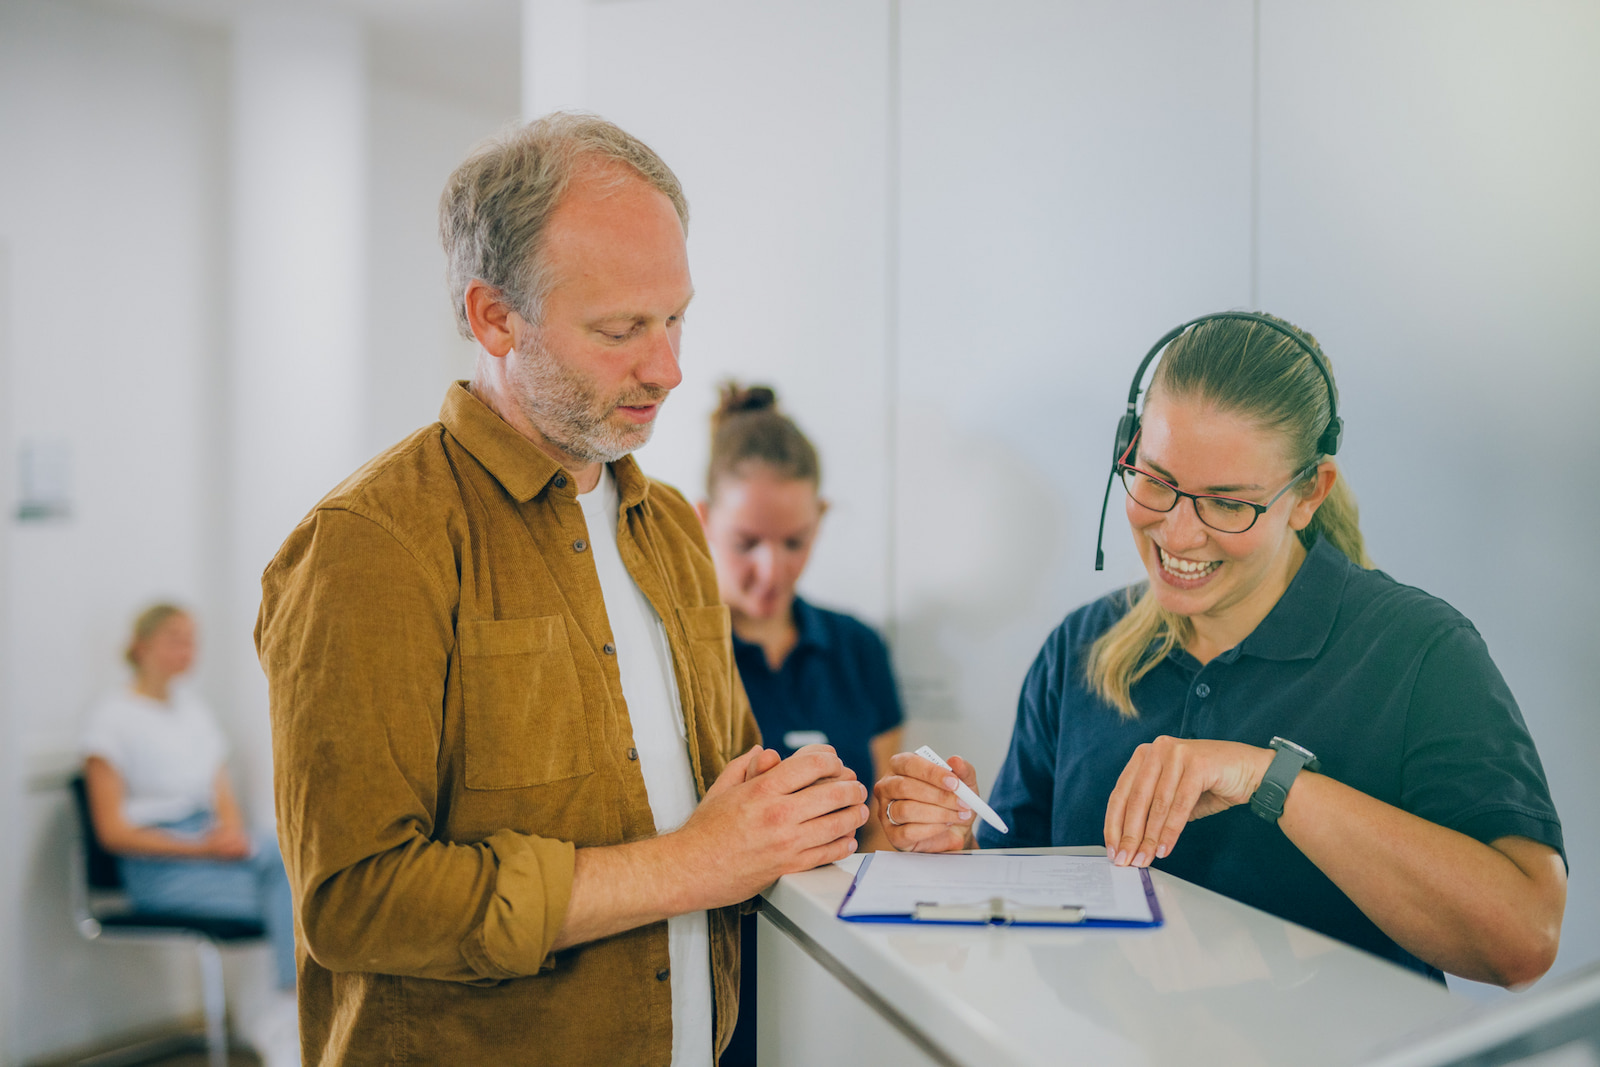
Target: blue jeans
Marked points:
252	888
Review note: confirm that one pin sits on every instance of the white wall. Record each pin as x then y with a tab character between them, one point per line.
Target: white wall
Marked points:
774	116
1075	180
297	400
11	763
412	349
109	205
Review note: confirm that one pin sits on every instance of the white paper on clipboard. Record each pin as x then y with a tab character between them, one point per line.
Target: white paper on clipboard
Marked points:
894	883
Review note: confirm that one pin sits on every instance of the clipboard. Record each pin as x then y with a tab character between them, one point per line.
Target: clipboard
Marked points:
1013	901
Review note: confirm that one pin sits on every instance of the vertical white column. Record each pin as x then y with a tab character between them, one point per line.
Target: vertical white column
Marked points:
11	765
298	367
555	50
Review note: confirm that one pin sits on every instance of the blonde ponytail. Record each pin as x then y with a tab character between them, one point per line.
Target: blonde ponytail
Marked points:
1338	522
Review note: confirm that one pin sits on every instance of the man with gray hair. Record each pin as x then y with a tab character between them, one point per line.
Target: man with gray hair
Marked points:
520	793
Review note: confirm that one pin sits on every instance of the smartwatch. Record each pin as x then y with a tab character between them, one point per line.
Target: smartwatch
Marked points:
1267	800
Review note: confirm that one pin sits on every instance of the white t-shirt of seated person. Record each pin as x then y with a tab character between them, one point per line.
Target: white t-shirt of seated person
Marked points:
168	753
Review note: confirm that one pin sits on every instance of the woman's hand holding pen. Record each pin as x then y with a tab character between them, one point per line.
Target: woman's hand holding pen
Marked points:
926	815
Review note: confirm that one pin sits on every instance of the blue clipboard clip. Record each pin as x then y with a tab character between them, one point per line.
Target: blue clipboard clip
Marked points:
998	911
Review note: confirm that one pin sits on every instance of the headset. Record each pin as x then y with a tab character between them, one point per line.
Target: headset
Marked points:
1128	425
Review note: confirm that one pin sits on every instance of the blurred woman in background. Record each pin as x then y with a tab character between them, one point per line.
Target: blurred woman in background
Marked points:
160	800
813	676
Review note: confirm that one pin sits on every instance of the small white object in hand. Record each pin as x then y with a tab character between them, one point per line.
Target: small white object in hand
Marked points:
965	792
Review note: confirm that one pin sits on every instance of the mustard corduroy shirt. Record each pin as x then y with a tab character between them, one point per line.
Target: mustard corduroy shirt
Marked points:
448	726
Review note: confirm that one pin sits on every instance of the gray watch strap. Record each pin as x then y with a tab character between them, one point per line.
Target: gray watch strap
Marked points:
1287	762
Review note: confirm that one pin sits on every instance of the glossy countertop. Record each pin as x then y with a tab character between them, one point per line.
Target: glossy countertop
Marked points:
1219	983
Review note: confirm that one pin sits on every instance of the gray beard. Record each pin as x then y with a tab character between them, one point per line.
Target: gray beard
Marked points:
569	414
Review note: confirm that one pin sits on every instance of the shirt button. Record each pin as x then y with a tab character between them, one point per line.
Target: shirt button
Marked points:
662	976
579	545
561	481
1202	690
633	753
610	649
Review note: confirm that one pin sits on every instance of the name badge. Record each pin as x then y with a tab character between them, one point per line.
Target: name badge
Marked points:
802	738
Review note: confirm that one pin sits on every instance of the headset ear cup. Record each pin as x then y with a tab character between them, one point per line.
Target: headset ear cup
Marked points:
1127	426
1328	443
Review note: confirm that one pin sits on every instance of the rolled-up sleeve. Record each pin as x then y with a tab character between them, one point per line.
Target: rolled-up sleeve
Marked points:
355	635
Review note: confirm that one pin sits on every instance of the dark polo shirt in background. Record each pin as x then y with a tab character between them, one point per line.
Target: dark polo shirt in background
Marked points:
1393	689
836	681
836	686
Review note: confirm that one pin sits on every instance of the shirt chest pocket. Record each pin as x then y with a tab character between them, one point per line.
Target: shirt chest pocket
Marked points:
522	707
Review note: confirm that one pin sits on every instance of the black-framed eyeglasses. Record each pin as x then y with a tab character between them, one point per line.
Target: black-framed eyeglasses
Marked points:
1225	514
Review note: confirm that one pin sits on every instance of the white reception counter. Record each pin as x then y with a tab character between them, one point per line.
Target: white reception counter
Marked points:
1218	984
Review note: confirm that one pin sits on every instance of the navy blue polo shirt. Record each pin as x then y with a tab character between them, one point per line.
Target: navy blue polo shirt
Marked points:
1393	689
835	686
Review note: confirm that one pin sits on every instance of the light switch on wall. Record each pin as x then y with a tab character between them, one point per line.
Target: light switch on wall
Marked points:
44	480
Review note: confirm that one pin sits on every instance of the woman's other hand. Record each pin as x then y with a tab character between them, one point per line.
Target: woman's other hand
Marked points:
918	807
1168	784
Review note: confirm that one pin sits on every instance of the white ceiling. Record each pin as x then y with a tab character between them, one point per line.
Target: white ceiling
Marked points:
466	50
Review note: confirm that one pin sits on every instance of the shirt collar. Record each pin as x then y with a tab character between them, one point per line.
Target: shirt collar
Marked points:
808	621
811	632
516	462
1299	623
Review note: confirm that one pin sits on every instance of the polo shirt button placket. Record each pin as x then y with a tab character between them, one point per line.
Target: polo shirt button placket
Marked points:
1195	715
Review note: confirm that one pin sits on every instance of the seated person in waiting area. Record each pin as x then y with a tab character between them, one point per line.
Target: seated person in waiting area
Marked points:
1268	716
159	796
813	676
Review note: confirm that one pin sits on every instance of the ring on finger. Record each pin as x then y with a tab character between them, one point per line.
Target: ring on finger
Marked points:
888	813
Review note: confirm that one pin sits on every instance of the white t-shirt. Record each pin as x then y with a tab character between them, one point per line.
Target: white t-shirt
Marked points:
650	688
168	754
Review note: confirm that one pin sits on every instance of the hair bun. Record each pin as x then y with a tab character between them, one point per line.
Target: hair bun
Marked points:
747	428
736	399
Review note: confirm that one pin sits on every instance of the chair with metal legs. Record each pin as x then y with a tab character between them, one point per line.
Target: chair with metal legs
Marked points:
102	913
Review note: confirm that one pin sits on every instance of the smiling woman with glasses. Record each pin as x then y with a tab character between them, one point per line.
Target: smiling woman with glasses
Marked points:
1267	715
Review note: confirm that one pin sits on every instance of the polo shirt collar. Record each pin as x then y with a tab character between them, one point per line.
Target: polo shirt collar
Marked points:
516	462
1298	625
808	621
812	632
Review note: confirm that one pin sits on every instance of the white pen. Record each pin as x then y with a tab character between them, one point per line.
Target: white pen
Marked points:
965	792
